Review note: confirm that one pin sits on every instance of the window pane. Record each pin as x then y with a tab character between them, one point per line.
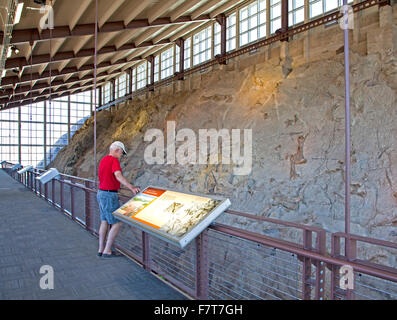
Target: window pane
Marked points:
316	9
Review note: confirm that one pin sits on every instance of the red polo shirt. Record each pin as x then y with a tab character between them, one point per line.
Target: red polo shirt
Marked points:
107	167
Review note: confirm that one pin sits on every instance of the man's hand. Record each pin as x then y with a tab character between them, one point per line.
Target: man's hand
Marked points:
135	190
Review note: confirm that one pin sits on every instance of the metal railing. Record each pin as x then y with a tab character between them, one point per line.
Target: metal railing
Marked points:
226	262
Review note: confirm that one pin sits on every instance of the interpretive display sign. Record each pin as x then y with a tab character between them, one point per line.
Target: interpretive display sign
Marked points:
25	169
175	217
48	175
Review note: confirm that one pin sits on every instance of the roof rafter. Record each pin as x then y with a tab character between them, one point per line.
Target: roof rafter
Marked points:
68	55
27	35
70	70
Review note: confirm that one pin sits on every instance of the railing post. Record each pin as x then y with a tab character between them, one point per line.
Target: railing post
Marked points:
35	181
30	175
320	268
351	254
61	193
202	266
307	267
88	207
53	192
72	199
46	191
335	252
40	184
146	261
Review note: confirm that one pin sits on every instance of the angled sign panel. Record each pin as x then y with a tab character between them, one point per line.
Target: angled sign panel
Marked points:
175	217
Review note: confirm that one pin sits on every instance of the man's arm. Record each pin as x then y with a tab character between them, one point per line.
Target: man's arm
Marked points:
119	176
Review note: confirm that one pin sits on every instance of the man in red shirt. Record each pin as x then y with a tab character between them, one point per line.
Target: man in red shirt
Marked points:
110	177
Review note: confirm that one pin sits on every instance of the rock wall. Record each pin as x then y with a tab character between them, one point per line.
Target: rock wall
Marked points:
292	97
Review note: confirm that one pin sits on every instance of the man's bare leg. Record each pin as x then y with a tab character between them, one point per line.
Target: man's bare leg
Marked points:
103	229
114	230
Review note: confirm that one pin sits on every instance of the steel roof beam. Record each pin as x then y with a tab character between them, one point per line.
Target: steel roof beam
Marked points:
55	73
68	55
33	35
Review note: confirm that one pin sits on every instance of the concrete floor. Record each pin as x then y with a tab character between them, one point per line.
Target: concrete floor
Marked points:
34	234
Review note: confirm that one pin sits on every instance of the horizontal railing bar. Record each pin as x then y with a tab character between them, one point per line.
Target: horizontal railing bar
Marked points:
256	236
366	239
275	221
304	253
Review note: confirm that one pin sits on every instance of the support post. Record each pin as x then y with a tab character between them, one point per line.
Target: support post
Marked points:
61	184
88	207
284	19
181	44
146	261
202	266
19	136
307	267
150	60
351	254
45	135
100	96
69	117
72	196
347	127
130	82
53	192
320	267
221	19
335	252
113	81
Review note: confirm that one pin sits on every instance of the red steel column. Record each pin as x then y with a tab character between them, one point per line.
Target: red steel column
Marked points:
61	193
146	260
221	19
181	44
202	266
320	267
53	192
150	60
88	207
307	266
72	199
284	18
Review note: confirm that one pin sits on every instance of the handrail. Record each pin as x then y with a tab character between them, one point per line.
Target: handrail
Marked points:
387	275
275	221
379	242
307	254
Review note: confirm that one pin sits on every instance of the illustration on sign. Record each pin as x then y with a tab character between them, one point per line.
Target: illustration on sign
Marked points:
169	213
